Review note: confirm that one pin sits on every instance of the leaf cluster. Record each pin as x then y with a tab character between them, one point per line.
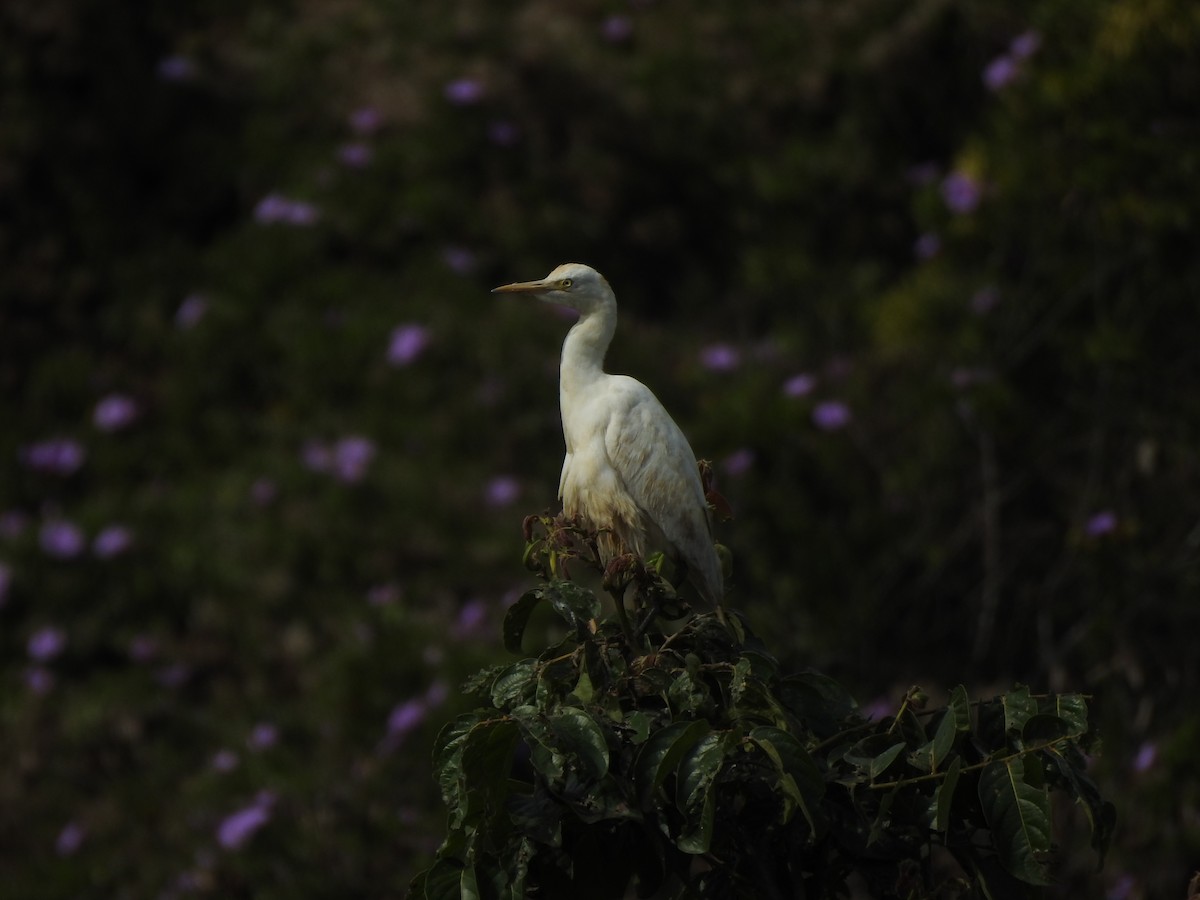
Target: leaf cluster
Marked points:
687	763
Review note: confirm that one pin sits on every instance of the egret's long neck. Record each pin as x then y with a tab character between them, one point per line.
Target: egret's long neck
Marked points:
583	350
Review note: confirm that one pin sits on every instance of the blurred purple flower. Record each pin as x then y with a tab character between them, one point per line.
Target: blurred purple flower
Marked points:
471	619
464	91
984	300
502	490
56	456
1101	523
263	736
191	311
383	594
405	717
62	539
503	133
69	839
927	246
961	193
617	29
720	358
406	344
878	709
1025	44
316	455
263	491
351	456
275	209
365	120
1146	757
142	648
239	827
5	583
38	679
460	260
437	693
13	523
738	462
112	540
355	155
1000	72
831	415
800	385
224	760
176	68
46	643
115	412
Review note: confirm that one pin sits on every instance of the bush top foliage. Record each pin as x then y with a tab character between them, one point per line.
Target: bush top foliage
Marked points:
689	764
918	276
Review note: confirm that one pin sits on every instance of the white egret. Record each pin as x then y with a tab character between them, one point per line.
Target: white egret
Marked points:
629	471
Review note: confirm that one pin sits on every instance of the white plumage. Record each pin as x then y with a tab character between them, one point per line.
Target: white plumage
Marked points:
629	470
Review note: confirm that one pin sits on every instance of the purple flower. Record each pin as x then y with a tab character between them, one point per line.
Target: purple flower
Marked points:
365	120
617	29
351	456
56	456
984	300
927	246
831	415
69	839
191	311
405	717
464	91
1025	44
799	385
46	643
437	693
176	68
240	826
961	193
13	523
1146	757
471	619
62	539
460	260
142	648
263	736
355	155
720	358
112	540
224	760
1000	72
406	344
38	679
1101	523
503	133
502	490
5	583
878	709
738	462
277	209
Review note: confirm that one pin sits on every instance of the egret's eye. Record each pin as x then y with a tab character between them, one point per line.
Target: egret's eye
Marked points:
564	282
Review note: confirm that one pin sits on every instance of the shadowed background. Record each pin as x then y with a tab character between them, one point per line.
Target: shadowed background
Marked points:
920	278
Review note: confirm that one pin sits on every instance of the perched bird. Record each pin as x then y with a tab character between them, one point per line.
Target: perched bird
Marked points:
629	471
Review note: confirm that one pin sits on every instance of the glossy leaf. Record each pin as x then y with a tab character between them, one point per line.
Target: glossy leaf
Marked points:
1018	814
1019	707
804	783
515	685
582	739
517	618
1072	709
576	604
694	792
943	798
662	752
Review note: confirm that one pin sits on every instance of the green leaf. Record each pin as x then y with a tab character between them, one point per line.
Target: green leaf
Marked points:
1017	810
639	722
583	687
880	763
1042	729
439	882
818	701
517	618
955	721
694	791
468	884
1019	706
662	751
1101	815
800	778
576	604
943	798
581	738
538	816
487	758
516	685
1071	708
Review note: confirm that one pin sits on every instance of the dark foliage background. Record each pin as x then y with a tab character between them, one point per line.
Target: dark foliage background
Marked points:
920	276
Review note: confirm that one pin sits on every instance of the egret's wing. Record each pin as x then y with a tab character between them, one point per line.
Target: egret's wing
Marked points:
562	479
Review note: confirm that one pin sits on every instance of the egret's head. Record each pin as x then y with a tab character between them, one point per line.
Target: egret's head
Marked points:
571	284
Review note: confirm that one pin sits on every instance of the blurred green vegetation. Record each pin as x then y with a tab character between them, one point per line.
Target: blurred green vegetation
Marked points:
920	277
